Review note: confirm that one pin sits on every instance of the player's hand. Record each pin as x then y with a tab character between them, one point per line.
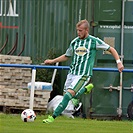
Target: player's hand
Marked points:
47	62
120	66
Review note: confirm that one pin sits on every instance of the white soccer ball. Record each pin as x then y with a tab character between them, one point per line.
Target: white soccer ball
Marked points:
28	115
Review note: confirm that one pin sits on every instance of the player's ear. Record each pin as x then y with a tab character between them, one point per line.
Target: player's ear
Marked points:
87	30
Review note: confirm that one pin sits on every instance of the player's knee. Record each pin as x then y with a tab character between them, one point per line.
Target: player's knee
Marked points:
72	92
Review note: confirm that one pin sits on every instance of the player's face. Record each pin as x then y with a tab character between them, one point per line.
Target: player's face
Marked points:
82	32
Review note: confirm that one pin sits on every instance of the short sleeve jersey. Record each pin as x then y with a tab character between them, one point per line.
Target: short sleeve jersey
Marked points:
83	54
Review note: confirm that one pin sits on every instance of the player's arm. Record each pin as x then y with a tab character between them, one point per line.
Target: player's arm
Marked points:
116	56
61	58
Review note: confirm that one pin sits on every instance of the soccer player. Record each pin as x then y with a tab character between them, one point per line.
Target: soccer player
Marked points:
83	50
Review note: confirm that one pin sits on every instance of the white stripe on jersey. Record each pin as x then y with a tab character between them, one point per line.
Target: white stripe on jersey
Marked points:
77	56
81	59
89	45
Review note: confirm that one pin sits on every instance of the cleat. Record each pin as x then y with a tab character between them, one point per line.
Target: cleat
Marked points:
77	108
89	88
48	120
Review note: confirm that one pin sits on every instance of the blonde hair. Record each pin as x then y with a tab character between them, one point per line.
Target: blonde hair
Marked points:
85	22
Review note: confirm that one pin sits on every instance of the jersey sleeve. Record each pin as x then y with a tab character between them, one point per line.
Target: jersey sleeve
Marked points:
69	51
101	45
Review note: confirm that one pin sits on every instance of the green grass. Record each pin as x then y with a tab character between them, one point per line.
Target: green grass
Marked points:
10	123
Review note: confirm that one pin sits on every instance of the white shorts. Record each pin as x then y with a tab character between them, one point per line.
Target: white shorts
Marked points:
76	82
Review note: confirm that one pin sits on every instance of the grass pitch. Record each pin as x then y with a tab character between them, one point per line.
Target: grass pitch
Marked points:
10	123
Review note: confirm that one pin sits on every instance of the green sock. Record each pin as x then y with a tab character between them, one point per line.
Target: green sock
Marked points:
67	97
80	92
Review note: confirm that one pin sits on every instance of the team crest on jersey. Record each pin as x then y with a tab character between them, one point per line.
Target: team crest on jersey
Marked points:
81	51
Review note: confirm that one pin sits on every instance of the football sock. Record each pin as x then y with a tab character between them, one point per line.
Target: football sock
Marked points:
80	92
67	97
87	89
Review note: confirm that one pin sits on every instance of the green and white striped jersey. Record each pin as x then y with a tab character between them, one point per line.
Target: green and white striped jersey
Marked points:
83	54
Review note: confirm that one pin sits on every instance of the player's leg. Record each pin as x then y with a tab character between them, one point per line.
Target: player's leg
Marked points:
85	88
77	83
81	86
67	97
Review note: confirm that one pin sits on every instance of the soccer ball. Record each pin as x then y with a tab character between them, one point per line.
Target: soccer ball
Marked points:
28	115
